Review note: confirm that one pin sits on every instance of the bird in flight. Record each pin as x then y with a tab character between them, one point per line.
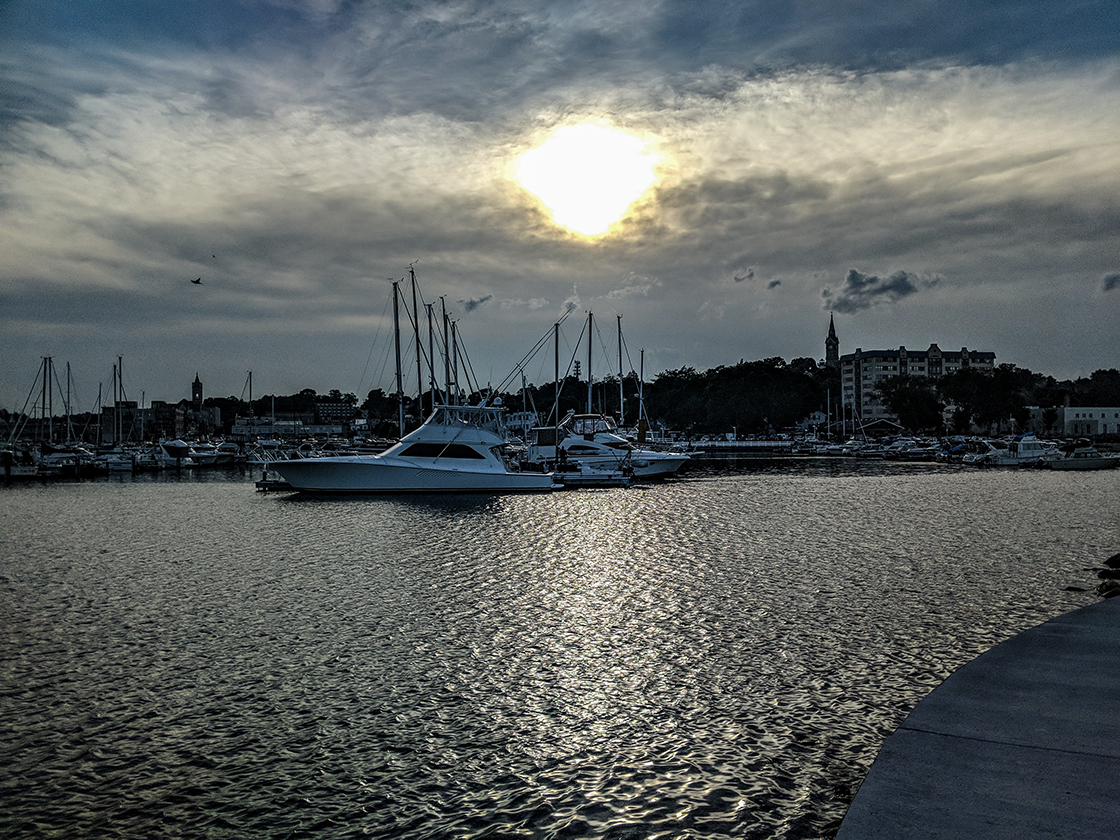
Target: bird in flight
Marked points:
197	282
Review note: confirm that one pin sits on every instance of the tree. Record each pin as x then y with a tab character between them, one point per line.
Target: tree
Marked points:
913	401
991	398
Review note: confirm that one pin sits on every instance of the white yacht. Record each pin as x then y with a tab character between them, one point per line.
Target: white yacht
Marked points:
458	449
593	439
1082	455
1027	451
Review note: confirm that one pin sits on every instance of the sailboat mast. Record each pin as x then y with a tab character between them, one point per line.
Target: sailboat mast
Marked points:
621	403
397	342
556	378
455	360
69	427
416	329
589	330
446	351
46	414
116	405
431	356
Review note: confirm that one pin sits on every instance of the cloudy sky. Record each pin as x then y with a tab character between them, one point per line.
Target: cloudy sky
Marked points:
929	172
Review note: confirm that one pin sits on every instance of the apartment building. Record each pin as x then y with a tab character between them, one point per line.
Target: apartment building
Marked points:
862	370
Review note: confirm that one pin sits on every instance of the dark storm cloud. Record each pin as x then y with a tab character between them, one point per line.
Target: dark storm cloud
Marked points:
773	284
1112	281
863	291
471	304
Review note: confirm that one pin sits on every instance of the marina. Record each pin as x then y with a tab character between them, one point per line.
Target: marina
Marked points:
720	653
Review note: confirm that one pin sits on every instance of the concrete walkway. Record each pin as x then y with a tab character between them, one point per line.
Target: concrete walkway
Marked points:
1022	742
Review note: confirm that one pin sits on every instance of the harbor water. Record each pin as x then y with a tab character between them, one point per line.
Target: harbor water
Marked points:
716	655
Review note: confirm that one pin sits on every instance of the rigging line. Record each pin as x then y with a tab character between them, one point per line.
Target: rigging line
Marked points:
606	354
541	342
373	344
379	376
626	353
17	427
469	370
571	361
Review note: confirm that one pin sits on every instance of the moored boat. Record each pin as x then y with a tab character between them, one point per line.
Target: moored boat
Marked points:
1026	451
458	449
1082	455
593	440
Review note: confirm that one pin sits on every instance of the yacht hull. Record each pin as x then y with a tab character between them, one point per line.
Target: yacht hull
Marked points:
374	474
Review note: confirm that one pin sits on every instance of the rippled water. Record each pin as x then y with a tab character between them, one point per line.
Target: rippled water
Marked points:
719	655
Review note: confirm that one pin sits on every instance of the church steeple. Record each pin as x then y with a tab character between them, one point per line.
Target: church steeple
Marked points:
831	345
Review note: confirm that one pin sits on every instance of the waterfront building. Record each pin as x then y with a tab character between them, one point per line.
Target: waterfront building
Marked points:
1076	421
334	410
861	371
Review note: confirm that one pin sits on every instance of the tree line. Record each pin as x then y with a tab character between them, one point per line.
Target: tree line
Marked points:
752	398
772	395
764	396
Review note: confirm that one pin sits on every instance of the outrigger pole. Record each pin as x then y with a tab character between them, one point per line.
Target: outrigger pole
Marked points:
397	341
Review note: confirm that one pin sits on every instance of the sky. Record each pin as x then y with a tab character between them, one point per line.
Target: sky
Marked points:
922	172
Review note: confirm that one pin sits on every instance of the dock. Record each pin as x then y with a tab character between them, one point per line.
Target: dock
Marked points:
1022	742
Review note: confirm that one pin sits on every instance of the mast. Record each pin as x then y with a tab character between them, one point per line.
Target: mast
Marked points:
46	394
556	378
455	359
431	356
446	351
620	391
69	427
589	377
416	329
116	405
397	342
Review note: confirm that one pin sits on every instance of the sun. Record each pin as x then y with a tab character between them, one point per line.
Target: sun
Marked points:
588	175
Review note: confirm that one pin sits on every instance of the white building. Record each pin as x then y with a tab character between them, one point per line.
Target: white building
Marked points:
1076	421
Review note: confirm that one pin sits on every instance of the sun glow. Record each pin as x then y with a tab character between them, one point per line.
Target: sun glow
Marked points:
587	175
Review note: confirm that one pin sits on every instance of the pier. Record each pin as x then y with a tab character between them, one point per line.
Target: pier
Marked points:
1022	742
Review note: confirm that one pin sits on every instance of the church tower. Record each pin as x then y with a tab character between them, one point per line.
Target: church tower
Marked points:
831	345
196	393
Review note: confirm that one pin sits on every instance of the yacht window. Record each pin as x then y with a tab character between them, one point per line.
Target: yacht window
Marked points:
439	450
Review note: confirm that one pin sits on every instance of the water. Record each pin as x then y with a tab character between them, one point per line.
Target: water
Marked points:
719	655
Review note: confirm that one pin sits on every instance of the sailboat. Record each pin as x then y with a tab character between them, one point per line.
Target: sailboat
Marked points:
593	440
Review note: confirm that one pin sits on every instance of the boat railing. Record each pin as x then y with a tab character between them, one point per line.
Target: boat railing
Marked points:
488	417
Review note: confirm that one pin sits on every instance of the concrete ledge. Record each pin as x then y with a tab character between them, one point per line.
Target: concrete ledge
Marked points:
1022	742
